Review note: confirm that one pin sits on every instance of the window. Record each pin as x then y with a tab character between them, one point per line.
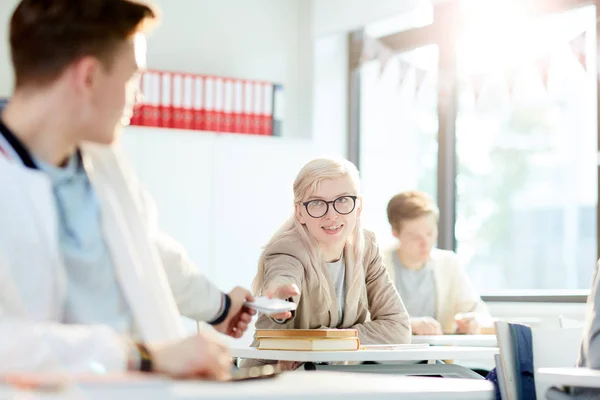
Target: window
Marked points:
527	169
398	146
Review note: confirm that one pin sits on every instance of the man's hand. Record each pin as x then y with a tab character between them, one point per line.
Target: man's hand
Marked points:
289	365
199	356
283	292
239	316
425	326
467	324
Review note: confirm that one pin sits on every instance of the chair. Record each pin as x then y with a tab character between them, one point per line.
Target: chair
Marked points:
546	353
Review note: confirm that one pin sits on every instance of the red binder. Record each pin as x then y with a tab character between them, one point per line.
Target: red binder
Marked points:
166	99
257	106
219	104
248	107
238	106
177	101
227	125
187	115
198	111
266	123
151	102
210	118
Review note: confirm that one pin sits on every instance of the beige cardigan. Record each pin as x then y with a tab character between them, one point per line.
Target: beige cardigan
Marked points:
454	292
383	319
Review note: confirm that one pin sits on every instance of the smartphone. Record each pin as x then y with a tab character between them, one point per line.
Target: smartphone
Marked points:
262	372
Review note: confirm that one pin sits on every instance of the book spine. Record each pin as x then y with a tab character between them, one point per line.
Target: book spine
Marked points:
209	104
177	99
199	112
238	106
166	99
188	102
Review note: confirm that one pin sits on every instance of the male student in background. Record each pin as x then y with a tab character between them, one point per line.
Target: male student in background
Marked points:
436	290
87	281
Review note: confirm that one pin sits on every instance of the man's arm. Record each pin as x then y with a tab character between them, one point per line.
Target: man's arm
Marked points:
28	346
196	296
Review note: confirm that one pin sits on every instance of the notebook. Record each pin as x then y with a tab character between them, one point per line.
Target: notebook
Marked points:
306	333
309	344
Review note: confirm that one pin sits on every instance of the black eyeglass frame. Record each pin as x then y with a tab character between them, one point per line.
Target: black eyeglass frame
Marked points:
332	202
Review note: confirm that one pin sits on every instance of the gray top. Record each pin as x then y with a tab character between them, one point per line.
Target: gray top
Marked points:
337	272
416	288
589	355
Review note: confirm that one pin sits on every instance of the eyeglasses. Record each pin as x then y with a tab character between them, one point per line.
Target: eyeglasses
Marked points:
343	205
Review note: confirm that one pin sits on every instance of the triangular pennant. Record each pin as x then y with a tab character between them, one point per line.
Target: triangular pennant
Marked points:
420	75
384	55
403	69
543	66
477	82
369	50
578	48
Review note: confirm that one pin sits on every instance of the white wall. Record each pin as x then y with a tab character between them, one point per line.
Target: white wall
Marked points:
330	94
221	196
6	9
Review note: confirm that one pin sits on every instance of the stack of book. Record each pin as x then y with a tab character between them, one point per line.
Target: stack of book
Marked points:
308	339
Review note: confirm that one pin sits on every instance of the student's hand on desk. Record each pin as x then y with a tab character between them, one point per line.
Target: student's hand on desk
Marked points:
239	316
282	292
466	324
425	326
198	356
289	365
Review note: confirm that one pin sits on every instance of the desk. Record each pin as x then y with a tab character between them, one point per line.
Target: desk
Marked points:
458	340
291	385
583	377
419	354
384	357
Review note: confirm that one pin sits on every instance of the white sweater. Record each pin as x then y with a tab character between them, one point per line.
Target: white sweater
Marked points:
454	292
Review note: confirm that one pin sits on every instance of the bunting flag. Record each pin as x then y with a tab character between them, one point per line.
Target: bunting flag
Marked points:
371	49
403	69
578	48
420	75
543	66
477	82
384	55
368	50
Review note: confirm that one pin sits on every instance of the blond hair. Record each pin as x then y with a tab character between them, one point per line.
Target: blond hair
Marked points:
406	206
307	183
